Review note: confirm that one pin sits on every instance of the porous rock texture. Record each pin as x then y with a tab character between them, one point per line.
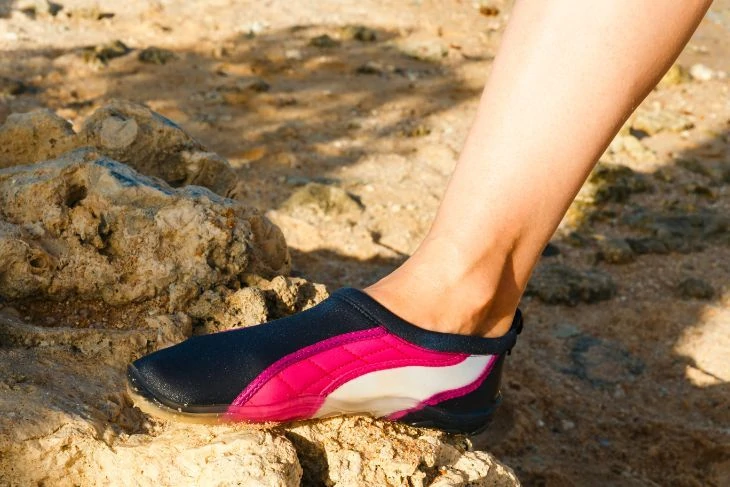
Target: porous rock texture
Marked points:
124	131
101	264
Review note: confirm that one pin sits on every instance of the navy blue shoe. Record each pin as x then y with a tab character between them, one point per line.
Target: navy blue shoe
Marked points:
347	355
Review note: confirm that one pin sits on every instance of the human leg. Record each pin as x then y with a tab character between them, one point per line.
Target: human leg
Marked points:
566	77
525	158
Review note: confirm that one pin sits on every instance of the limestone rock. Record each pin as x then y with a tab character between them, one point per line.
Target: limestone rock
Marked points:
360	450
675	76
560	284
616	183
678	231
36	136
316	200
631	147
124	131
657	120
615	251
87	227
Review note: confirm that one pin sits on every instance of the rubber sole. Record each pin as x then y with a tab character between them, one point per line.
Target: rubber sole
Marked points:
470	424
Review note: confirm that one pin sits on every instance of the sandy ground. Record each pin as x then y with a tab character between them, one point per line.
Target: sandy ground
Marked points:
628	391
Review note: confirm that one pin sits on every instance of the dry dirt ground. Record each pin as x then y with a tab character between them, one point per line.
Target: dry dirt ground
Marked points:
620	379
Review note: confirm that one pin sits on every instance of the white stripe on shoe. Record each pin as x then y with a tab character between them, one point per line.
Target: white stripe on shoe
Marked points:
385	392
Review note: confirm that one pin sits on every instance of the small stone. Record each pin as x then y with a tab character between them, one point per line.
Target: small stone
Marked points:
631	146
647	245
156	55
488	10
657	120
676	75
615	251
560	284
550	250
103	53
324	42
616	182
694	288
323	198
10	86
700	72
428	50
370	67
566	330
699	190
34	8
359	33
567	425
416	130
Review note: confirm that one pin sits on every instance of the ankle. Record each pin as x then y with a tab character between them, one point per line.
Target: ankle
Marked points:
439	290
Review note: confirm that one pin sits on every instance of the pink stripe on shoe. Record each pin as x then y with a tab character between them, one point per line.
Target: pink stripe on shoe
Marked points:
295	386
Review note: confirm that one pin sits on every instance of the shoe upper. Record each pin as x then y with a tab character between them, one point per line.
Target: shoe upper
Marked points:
347	354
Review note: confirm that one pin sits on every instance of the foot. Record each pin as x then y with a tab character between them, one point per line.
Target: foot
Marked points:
348	354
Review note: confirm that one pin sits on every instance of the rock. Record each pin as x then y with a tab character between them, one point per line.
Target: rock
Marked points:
124	131
324	41
615	251
89	227
101	264
550	250
717	171
156	55
630	146
647	245
179	455
566	330
38	8
424	49
359	33
103	53
560	284
657	120
31	137
11	87
289	295
616	183
370	67
677	231
415	130
694	288
322	200
676	75
700	72
363	451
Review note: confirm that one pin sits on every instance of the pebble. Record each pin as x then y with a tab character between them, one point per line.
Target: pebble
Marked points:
105	52
560	284
676	75
616	182
10	86
615	251
359	33
324	41
700	72
156	55
566	330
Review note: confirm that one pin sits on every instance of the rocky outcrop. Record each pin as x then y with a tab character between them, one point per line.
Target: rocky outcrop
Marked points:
124	131
87	227
108	254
